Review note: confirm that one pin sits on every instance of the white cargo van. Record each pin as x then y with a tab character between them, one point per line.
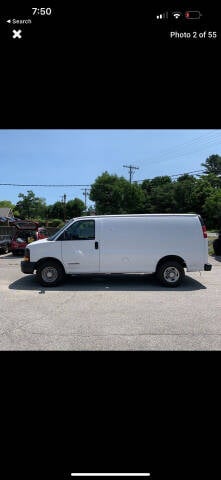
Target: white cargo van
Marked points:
145	243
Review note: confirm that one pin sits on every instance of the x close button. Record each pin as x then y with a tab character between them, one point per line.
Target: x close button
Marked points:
16	33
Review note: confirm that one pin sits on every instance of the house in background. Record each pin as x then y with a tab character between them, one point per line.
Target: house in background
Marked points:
5	212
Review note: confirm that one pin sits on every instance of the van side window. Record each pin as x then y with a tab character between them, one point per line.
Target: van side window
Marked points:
82	230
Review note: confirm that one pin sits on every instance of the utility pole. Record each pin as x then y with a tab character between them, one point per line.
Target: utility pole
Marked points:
63	199
131	170
65	196
86	190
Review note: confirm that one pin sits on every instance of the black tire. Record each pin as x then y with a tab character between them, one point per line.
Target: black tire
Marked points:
170	273
50	273
6	249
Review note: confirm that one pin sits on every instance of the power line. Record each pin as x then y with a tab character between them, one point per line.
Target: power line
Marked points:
195	172
89	185
38	185
175	150
198	144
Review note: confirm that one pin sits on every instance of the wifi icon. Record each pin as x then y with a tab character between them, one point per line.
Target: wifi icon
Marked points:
176	14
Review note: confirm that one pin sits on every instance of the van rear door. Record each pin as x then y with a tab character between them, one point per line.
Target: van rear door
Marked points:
80	247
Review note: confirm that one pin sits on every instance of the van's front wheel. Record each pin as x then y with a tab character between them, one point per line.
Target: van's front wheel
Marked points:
170	273
50	273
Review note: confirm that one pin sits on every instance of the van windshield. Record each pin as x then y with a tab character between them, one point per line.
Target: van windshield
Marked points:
53	237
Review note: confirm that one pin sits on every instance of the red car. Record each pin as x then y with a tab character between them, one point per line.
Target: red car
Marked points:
27	232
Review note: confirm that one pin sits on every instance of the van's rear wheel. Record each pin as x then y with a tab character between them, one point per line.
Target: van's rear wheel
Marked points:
50	273
170	273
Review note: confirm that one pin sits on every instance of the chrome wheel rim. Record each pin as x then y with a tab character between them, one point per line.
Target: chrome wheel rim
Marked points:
171	274
49	274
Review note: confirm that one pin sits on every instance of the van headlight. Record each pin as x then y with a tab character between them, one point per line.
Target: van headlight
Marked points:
27	255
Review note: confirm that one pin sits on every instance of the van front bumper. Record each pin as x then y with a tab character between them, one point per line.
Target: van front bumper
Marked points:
207	267
27	267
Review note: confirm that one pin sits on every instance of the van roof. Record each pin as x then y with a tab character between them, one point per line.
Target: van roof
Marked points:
90	217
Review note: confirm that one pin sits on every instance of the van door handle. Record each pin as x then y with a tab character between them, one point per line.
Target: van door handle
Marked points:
96	245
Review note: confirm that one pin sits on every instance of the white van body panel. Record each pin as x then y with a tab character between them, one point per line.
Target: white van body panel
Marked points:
136	245
128	244
43	248
80	257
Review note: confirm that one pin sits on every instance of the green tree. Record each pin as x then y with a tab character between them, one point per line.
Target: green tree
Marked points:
212	164
146	187
213	179
201	191
212	210
115	195
183	193
107	193
162	199
159	194
159	181
56	210
31	206
7	203
133	198
186	178
74	208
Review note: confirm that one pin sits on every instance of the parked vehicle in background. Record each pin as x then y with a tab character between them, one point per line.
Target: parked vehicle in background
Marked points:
164	244
5	243
26	232
217	245
42	233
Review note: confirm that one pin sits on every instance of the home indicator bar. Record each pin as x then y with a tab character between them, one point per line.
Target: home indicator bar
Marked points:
110	474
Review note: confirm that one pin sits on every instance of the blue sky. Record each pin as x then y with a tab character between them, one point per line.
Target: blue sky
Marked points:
79	156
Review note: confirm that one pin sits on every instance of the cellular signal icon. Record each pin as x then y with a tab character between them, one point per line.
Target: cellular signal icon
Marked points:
162	16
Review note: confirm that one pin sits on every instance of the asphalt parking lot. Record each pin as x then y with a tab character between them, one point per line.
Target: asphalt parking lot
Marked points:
130	312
